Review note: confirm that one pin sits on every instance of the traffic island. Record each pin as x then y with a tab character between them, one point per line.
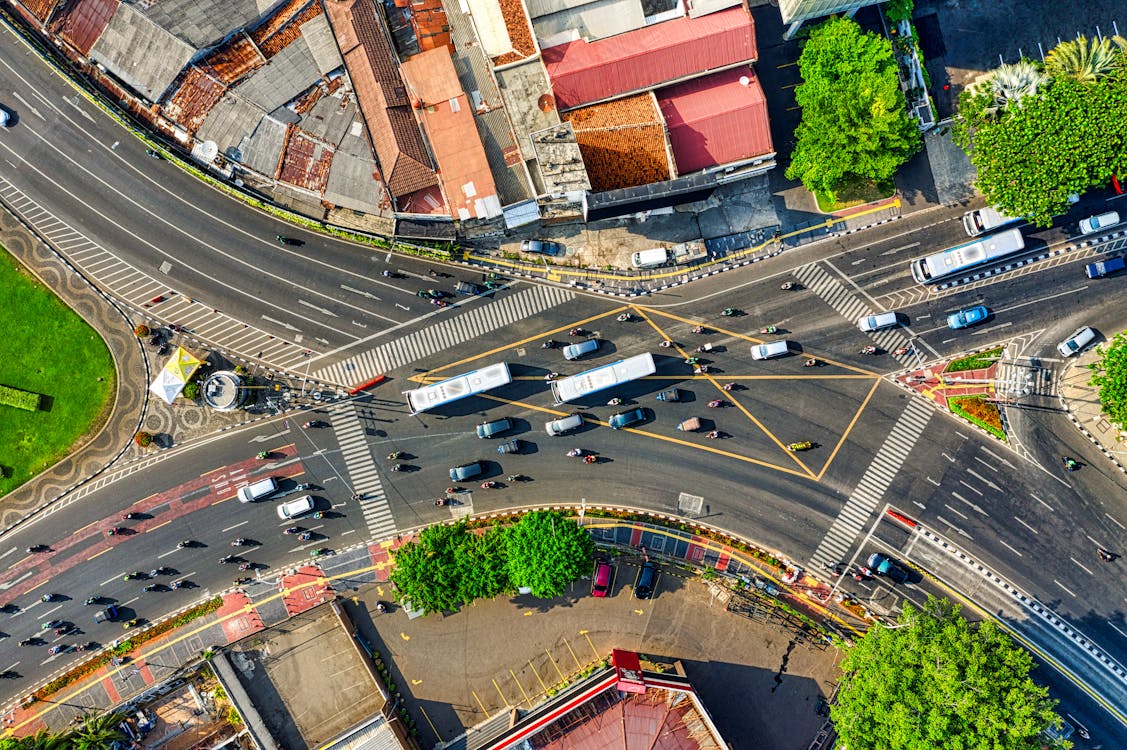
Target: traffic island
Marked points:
965	387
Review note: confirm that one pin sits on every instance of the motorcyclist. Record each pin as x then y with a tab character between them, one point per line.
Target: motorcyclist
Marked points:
590	459
177	584
183	544
551	376
241	581
245	566
239	542
51	624
488	485
728	386
713	435
152	587
306	425
870	349
292	530
728	312
226	559
155	572
768	329
692	361
319	515
399	467
305	536
624	317
514	478
1070	463
614	402
549	344
1104	554
27	641
130	576
810	363
58	649
698	329
130	516
575	332
91	600
665	344
49	597
715	404
394	455
787	286
117	530
575	452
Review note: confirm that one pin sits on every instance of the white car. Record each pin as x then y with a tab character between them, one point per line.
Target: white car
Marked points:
295	508
3	118
1099	222
1079	339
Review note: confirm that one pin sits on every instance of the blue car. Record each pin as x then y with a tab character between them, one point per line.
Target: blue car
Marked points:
967	317
627	418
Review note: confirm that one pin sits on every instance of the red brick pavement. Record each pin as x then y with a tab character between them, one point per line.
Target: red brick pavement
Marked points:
304	589
237	626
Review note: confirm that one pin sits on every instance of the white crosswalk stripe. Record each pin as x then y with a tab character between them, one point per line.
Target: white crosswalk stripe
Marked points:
869	492
465	326
362	473
849	306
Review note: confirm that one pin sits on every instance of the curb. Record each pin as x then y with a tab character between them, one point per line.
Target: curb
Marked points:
1084	430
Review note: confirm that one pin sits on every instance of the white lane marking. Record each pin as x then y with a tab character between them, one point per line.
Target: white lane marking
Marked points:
242	523
1023	523
1011	549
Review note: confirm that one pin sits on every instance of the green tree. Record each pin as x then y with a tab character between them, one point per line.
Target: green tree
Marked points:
428	572
854	122
97	732
482	561
1109	375
1083	59
936	681
547	551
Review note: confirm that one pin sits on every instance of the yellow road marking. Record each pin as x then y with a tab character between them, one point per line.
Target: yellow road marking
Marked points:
504	699
573	656
98	554
848	429
416	682
521	688
479	703
538	676
159	526
594	650
427	717
557	666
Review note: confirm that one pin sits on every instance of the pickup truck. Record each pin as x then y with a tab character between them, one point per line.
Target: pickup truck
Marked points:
1102	268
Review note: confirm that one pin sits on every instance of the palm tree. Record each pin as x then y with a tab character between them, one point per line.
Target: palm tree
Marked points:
97	732
1083	59
1009	84
43	740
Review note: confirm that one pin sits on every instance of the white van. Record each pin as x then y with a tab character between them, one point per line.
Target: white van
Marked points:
658	256
770	350
261	489
1099	222
563	424
1079	339
575	351
983	220
870	323
295	508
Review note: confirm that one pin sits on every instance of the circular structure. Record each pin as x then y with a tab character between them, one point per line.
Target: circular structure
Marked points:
546	102
223	390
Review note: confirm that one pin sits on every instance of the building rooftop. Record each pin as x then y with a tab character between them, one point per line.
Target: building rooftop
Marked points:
145	56
623	142
373	68
528	100
287	75
41	9
201	23
306	161
716	119
560	160
192	100
354	182
587	72
82	22
561	21
517	26
463	170
322	46
234	59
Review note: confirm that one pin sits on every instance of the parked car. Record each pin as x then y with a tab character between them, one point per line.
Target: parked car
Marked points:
601	580
1099	222
1079	339
883	565
627	418
647	577
967	317
494	428
545	247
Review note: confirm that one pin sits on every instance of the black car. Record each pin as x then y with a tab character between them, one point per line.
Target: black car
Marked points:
465	287
647	577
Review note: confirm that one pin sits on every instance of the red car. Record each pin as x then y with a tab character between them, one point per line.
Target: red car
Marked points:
601	580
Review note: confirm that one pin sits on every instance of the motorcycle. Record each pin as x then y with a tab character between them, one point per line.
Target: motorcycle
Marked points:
58	649
665	344
902	351
399	467
152	587
246	566
305	536
624	318
321	552
810	363
551	376
869	350
803	445
549	344
728	387
575	453
395	455
263	454
614	402
1104	554
489	485
728	312
63	630
692	361
117	530
1070	464
292	530
184	544
699	329
37	548
227	559
769	329
715	404
130	576
177	584
576	332
713	435
239	542
392	275
241	581
319	515
788	285
51	624
381	608
91	600
48	598
306	425
130	516
494	284
590	459
516	478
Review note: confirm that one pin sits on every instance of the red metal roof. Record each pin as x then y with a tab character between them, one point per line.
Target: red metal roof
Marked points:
82	22
584	72
716	120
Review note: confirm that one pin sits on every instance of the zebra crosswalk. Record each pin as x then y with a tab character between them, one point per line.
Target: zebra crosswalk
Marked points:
869	492
834	293
362	473
461	327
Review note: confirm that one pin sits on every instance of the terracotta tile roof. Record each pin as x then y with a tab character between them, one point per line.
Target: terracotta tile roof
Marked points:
622	142
193	98
277	20
432	28
306	162
374	70
82	22
716	119
584	72
520	32
463	169
290	31
237	57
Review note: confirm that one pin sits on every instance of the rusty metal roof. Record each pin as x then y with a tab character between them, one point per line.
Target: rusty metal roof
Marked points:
82	22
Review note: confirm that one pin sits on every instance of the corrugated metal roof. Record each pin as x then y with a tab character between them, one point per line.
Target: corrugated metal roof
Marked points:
197	93
82	22
716	120
139	52
290	72
584	72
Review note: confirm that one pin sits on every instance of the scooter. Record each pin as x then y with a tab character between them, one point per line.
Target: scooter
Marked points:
624	318
728	312
395	455
549	344
769	329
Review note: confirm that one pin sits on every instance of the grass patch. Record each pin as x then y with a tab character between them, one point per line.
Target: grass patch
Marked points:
854	194
981	412
46	349
974	361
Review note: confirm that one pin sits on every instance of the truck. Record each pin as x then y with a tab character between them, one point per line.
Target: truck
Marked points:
983	220
688	252
1102	268
651	258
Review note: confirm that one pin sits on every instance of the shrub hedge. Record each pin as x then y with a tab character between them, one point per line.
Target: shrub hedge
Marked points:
25	400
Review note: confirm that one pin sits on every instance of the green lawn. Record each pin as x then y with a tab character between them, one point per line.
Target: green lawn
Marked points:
47	349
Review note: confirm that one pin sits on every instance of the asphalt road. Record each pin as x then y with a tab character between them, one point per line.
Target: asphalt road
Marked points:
1016	512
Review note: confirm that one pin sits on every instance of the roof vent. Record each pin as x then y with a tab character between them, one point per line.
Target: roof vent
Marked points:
546	103
745	81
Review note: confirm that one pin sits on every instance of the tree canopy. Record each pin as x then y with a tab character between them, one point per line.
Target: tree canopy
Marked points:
1036	134
448	566
96	732
936	681
854	121
1109	375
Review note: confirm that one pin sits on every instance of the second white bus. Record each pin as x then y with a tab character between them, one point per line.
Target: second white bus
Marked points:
460	386
601	378
955	260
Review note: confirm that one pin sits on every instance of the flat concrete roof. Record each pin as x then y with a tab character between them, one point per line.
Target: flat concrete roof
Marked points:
307	678
141	53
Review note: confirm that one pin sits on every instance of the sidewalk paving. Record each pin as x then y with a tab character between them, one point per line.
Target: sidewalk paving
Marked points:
1081	403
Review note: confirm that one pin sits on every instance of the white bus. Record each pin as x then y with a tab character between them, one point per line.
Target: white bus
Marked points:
601	378
461	386
955	260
